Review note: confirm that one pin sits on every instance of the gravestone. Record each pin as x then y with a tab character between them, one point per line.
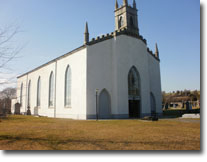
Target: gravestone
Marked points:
17	109
187	106
28	111
3	112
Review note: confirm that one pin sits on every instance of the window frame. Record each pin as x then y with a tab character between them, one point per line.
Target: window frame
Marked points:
38	104
68	88
51	90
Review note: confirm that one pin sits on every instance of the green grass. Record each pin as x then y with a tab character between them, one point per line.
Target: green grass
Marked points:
31	133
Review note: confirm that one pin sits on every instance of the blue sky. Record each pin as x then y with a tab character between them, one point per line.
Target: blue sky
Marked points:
50	28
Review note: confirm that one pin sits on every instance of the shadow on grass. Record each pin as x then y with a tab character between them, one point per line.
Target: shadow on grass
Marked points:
52	144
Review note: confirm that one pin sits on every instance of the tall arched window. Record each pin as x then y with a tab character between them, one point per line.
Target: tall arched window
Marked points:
68	87
39	92
29	94
51	90
131	21
21	93
120	23
134	82
134	93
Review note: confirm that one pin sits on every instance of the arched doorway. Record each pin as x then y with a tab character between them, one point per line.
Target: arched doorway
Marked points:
153	104
134	96
104	105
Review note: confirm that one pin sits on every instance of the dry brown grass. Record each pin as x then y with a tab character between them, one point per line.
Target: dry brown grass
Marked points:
30	133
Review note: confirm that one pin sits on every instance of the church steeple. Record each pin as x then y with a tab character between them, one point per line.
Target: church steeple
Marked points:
126	17
86	40
116	5
134	4
125	2
156	51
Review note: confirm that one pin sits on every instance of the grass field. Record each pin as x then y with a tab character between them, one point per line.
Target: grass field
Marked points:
31	133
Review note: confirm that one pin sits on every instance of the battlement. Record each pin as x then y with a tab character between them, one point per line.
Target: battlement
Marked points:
114	34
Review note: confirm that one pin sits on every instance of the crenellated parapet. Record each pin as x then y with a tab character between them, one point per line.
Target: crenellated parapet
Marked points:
115	34
153	54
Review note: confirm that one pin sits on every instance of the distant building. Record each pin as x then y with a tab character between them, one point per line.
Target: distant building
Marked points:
119	66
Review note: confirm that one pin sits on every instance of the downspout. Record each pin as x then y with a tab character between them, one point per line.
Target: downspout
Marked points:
55	88
26	95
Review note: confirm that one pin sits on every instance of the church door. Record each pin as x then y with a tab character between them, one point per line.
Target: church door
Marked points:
104	105
153	104
134	93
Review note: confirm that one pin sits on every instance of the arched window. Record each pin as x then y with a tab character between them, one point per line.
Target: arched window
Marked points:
131	22
29	94
39	92
21	94
134	93
134	82
120	22
51	90
68	87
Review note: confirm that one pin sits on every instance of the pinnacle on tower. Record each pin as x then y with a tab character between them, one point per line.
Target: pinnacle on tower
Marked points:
86	27
86	40
156	51
116	5
134	4
125	2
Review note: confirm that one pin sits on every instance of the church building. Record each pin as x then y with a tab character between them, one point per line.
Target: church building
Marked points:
113	76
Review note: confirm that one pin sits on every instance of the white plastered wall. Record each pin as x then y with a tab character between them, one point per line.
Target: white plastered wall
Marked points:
108	65
77	63
155	82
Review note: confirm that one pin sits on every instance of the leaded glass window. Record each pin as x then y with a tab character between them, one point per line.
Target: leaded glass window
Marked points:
68	87
51	90
21	93
29	94
134	83
39	92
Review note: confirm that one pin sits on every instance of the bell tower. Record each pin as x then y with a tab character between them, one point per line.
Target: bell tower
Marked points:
126	17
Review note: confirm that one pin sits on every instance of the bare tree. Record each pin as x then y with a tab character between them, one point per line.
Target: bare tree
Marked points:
8	51
8	93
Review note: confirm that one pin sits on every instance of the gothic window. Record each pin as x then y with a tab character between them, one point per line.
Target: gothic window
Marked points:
134	82
120	22
39	92
21	93
51	90
68	87
131	22
29	93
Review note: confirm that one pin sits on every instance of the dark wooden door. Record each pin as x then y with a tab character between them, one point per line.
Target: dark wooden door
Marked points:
134	108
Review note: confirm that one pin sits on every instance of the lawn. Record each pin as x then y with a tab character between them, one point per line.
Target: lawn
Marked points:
32	133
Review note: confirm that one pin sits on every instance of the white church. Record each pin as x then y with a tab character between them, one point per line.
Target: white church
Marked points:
114	76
